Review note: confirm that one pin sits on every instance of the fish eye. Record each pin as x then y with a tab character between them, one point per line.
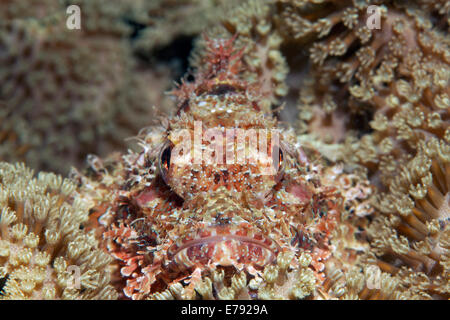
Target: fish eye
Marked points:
164	161
278	161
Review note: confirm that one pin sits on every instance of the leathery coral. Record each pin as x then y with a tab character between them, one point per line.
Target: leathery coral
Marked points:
217	230
396	75
399	76
44	254
411	237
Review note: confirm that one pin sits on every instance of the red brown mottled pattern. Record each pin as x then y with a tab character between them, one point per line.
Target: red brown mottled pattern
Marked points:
172	221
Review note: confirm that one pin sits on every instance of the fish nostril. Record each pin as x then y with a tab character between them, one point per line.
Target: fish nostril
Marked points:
225	176
216	178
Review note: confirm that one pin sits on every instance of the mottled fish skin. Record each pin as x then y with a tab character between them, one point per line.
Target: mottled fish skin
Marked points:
173	221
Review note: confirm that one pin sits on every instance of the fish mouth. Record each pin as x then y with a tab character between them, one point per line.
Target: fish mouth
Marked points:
224	246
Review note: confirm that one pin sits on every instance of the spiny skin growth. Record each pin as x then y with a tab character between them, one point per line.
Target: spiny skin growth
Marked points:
217	229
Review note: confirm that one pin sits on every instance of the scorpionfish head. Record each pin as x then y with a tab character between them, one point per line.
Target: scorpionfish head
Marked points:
223	157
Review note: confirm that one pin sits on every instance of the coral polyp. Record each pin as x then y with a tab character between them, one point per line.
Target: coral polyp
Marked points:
44	254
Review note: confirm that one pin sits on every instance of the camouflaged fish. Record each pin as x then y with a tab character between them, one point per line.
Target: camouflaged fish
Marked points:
187	211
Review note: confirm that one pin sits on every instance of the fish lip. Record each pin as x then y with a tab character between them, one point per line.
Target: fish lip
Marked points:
265	243
225	238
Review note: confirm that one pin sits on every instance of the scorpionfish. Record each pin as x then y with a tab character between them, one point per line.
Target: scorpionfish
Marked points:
217	187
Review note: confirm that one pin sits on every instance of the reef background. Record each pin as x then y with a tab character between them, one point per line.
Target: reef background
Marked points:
377	102
69	93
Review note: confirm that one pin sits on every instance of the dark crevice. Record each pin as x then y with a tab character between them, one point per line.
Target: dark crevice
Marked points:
2	285
360	121
136	28
175	55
